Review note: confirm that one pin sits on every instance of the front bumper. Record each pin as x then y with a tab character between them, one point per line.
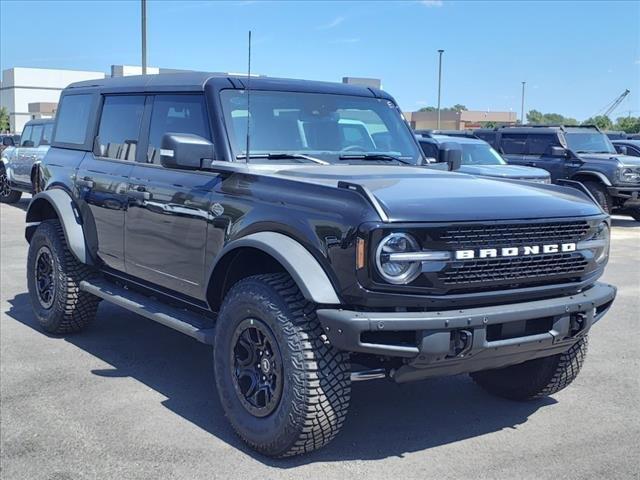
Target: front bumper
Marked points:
459	341
629	196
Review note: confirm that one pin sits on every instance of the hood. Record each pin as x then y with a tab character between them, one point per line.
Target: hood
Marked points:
626	160
505	171
414	194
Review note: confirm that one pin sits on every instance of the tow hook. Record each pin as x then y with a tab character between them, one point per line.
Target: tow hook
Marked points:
577	323
461	342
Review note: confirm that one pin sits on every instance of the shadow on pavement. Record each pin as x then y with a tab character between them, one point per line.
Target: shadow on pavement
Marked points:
22	204
624	222
385	419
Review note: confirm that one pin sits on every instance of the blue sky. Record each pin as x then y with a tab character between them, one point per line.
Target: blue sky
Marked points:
575	56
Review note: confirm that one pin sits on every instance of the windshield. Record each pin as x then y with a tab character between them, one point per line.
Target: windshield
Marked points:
589	142
480	154
332	128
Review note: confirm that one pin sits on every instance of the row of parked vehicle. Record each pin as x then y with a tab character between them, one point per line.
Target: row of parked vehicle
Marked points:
299	228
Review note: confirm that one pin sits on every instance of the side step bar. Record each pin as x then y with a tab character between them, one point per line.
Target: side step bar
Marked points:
183	321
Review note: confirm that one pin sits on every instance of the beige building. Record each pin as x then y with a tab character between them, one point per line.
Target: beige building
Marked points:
464	120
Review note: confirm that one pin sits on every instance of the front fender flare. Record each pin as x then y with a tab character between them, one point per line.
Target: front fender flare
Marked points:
296	260
592	173
69	216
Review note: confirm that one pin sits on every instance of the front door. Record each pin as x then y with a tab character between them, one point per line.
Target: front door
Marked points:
538	154
102	177
166	222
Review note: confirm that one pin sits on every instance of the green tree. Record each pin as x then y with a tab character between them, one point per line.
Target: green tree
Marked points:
4	120
628	124
458	108
601	121
428	109
538	118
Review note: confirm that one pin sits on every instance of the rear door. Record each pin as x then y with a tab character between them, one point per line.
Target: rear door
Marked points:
24	158
538	154
102	177
166	222
513	146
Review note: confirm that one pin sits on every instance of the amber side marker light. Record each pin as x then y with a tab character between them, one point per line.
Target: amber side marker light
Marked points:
360	253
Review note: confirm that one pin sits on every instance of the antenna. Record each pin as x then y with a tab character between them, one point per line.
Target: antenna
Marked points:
248	151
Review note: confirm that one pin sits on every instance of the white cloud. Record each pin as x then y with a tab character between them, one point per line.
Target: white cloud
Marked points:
346	40
332	24
432	3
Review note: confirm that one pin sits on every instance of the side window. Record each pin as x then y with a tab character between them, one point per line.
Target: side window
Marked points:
120	126
46	134
26	135
541	144
73	118
633	151
36	135
490	138
176	114
514	143
430	150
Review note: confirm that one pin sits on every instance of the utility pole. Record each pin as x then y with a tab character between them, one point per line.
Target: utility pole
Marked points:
522	105
143	6
440	52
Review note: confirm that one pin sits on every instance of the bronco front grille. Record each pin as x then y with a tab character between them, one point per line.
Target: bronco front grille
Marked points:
491	236
513	269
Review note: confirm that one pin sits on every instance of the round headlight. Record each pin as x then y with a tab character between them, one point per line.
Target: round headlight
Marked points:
397	271
630	175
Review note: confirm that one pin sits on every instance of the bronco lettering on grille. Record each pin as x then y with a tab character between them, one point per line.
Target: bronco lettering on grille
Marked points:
515	251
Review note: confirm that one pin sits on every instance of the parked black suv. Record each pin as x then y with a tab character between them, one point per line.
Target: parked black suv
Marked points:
288	226
582	154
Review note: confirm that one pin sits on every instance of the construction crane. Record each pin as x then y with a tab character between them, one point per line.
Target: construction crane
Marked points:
610	108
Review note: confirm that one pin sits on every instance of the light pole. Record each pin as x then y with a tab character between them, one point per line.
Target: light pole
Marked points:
143	6
440	52
522	105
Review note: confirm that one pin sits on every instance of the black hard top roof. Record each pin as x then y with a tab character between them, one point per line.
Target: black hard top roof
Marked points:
40	121
196	81
542	128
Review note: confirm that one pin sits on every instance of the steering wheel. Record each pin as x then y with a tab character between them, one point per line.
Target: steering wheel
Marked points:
354	148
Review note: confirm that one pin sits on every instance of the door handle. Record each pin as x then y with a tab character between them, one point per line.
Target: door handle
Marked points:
530	164
139	193
85	182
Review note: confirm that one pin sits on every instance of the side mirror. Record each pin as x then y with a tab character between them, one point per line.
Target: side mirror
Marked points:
28	144
7	142
185	150
621	149
558	152
451	154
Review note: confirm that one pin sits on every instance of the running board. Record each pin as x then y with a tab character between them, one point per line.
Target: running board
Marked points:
181	320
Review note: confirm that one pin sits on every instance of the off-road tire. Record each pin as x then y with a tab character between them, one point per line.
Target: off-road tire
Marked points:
599	192
72	309
635	214
317	385
6	194
536	378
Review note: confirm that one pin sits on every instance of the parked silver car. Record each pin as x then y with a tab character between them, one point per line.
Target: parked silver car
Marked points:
19	163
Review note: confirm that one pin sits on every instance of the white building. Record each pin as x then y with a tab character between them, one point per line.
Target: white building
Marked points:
23	86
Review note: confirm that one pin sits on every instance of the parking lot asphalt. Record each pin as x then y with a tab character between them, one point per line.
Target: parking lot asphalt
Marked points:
131	399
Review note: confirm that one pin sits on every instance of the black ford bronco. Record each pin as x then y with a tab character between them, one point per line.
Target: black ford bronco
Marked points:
287	223
582	153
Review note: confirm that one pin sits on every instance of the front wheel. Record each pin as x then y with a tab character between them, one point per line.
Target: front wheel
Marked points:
599	192
283	387
7	195
536	378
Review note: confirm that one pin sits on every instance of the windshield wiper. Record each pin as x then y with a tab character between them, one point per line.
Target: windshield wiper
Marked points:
283	156
373	156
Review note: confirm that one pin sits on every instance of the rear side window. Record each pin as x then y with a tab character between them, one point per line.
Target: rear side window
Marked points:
120	126
176	114
46	134
73	119
487	137
26	135
541	144
430	150
514	143
37	134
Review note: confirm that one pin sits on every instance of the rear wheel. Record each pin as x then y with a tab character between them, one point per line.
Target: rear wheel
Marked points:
284	389
599	192
7	195
536	378
53	279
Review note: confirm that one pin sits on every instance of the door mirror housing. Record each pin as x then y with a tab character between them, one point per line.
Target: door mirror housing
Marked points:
7	142
451	154
558	152
621	149
185	150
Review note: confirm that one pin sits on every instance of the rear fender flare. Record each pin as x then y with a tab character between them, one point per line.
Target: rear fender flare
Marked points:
69	216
